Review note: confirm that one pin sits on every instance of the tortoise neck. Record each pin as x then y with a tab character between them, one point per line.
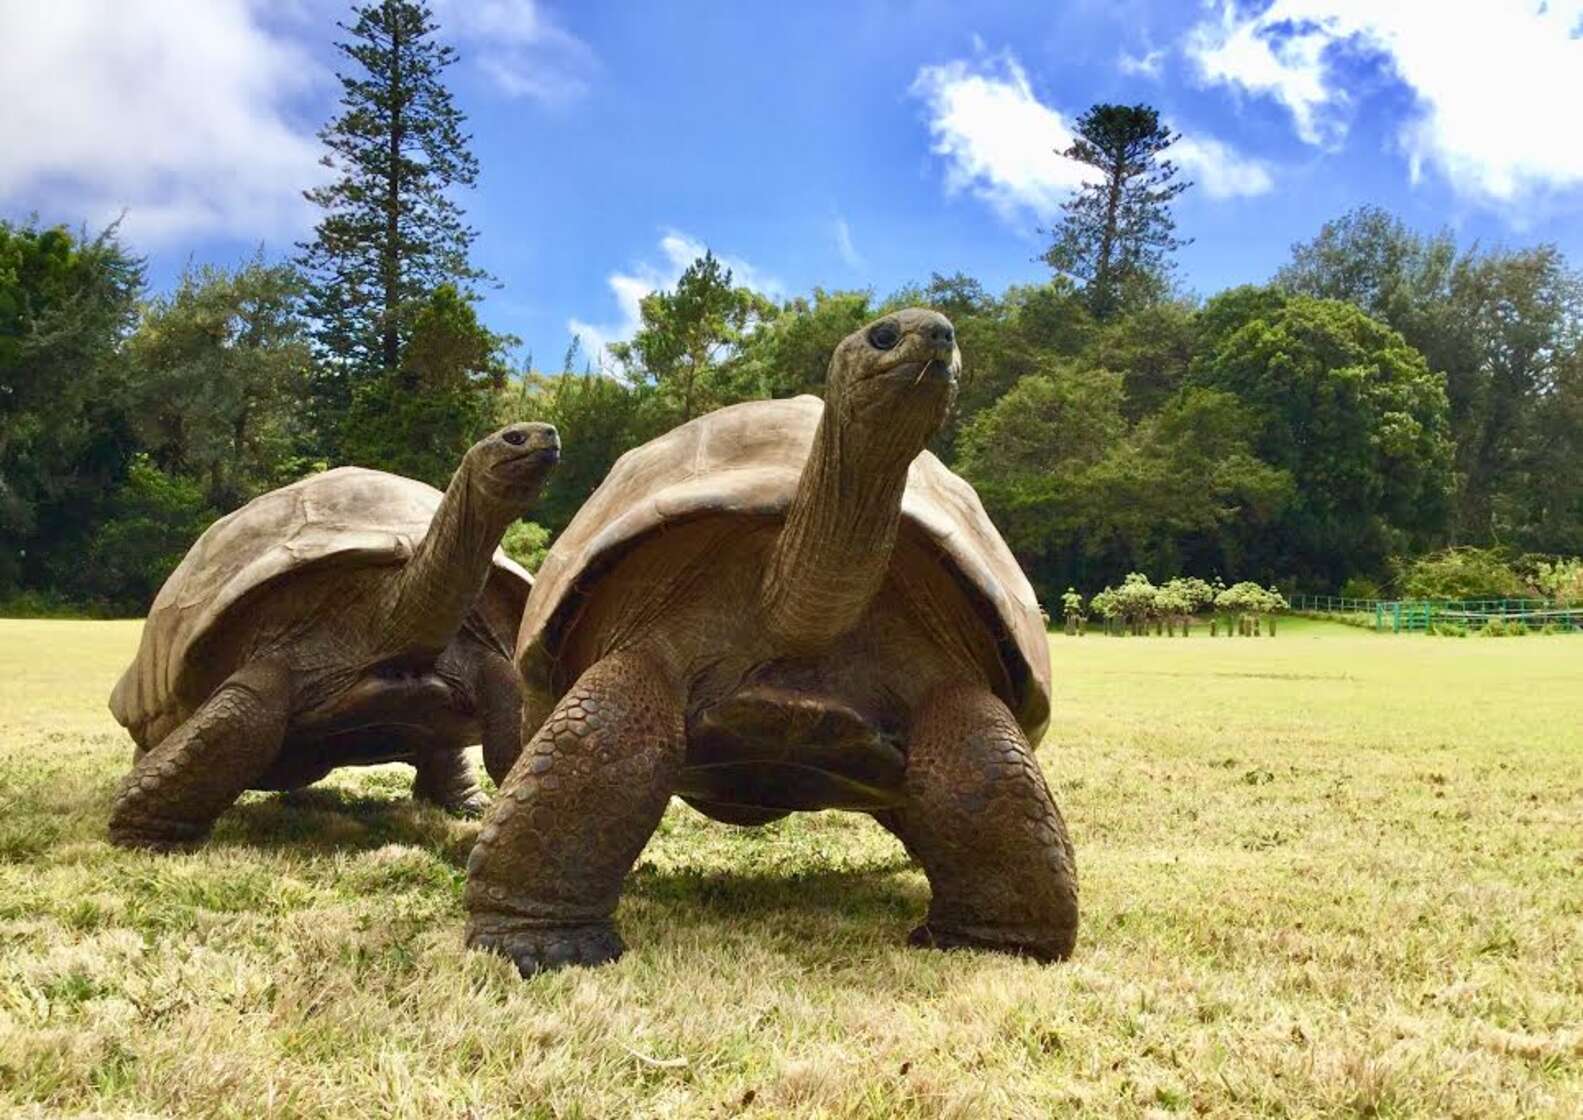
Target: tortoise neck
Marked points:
442	581
834	549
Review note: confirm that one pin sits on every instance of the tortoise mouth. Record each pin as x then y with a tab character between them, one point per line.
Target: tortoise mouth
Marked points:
934	370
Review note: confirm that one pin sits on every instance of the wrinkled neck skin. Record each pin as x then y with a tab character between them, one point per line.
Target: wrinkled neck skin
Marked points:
835	546
441	582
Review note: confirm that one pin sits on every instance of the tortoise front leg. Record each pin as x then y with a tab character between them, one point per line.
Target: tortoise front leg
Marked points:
980	819
573	815
176	789
499	692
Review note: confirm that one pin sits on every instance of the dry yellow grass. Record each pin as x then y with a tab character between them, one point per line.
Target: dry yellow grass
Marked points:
1328	874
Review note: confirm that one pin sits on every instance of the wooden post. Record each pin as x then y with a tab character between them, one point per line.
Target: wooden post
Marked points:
1214	626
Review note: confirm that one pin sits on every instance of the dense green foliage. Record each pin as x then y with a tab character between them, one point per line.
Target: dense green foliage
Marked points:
1505	330
65	304
1268	434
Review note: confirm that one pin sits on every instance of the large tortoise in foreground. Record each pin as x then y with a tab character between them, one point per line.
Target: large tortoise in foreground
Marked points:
784	605
353	617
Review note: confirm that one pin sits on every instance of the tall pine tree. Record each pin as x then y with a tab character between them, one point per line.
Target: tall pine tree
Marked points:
1117	232
391	233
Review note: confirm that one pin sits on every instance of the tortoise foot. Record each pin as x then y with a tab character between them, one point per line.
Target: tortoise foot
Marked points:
1038	945
150	835
546	948
468	808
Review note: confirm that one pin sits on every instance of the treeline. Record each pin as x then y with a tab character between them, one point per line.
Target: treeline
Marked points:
1385	395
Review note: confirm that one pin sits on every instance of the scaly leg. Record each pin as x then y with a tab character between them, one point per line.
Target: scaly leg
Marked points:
500	713
981	821
573	815
176	790
445	778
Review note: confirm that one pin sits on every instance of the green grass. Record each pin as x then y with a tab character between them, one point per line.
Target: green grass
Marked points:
1328	874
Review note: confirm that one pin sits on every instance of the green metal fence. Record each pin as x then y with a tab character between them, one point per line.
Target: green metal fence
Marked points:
1417	615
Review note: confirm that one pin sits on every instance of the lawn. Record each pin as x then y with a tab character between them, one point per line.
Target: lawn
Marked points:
1327	874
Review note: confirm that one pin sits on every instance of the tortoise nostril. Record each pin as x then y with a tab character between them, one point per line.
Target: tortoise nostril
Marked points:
941	334
516	437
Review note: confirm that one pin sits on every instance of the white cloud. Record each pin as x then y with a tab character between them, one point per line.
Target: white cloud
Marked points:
174	110
1483	75
844	245
1150	64
1000	142
520	47
1219	169
679	250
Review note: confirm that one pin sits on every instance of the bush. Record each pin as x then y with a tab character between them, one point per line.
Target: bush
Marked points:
1461	573
45	604
1504	628
528	543
1560	579
1249	597
1361	587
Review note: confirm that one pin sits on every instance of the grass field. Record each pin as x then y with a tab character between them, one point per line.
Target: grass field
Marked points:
1328	874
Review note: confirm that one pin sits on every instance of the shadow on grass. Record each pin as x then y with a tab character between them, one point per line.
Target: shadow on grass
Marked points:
801	913
325	821
815	919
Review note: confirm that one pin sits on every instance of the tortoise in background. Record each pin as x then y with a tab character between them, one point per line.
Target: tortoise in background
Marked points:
353	617
780	606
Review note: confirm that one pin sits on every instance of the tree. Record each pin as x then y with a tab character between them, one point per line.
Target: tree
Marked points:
420	418
688	334
790	353
218	369
1117	232
391	231
1354	414
1502	326
66	302
599	419
1151	347
1185	491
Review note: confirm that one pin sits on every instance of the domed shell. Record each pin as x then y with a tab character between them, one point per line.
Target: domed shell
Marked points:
345	517
746	459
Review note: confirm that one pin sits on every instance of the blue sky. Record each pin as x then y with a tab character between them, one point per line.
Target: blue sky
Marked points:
834	144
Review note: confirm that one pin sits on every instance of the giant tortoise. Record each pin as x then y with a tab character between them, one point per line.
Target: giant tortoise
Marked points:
784	605
350	618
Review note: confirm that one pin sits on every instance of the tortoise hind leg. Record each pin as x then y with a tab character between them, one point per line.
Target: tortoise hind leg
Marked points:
572	816
175	790
445	778
980	819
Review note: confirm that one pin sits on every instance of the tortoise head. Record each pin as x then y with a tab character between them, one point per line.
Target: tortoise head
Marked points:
892	382
508	468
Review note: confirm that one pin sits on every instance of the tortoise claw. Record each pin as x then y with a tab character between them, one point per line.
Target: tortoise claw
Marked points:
1023	944
469	808
547	948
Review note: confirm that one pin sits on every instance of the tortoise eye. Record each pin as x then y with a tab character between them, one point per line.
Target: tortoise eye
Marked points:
516	437
883	336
